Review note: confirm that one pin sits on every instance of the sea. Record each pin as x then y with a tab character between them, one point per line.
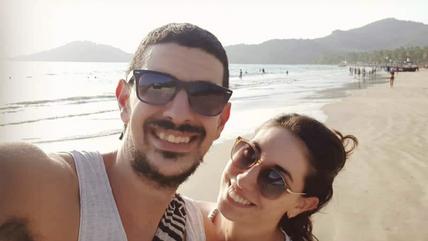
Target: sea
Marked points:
62	106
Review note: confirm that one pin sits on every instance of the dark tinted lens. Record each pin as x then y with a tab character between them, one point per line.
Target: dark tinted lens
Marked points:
271	183
243	155
155	88
207	98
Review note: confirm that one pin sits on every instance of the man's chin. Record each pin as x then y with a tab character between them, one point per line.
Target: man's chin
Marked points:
173	156
163	178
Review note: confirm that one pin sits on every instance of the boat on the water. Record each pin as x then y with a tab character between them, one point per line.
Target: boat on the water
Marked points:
343	64
408	67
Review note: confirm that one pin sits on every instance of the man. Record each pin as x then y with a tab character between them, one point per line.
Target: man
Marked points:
173	106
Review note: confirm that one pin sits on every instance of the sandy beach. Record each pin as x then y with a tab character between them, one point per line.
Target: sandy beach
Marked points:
380	195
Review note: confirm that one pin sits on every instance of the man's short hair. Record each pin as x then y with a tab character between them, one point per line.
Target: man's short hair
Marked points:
187	35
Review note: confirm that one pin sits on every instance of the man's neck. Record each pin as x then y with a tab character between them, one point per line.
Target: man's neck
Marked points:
141	203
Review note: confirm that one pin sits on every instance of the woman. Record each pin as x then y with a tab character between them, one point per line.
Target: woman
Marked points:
277	180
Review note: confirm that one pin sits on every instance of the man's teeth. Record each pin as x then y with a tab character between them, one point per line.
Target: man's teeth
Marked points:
173	139
235	197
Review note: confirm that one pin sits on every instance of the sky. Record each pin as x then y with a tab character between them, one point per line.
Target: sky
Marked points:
28	26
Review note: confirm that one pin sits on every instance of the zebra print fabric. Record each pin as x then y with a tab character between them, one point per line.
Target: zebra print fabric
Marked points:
172	226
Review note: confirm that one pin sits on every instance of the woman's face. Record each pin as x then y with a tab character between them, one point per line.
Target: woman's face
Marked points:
240	198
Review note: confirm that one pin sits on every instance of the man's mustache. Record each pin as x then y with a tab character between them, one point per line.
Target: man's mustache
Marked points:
166	124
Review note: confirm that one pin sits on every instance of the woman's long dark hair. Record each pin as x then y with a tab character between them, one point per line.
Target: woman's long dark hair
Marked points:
328	151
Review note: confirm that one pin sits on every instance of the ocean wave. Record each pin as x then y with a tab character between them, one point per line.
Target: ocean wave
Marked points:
81	137
55	117
9	109
74	98
18	106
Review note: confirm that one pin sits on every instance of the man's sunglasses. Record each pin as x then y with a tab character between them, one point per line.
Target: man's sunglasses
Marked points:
158	88
270	180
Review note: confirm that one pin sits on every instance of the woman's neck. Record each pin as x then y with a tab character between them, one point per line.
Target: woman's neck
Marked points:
235	231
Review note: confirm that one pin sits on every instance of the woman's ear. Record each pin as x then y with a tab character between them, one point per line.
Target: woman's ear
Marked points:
122	96
303	204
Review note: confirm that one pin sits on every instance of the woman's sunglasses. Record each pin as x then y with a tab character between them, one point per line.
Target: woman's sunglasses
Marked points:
270	180
158	88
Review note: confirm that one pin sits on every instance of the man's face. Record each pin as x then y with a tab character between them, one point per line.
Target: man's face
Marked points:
169	141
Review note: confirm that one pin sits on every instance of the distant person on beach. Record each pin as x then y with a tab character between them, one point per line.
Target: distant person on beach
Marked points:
391	78
174	104
275	182
240	73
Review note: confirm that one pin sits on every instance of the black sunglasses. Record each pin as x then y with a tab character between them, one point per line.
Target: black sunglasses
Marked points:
158	88
270	180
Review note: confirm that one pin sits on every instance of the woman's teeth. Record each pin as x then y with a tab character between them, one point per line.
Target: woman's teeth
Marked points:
235	197
173	139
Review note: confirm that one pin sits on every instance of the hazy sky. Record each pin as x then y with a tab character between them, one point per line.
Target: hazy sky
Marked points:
28	26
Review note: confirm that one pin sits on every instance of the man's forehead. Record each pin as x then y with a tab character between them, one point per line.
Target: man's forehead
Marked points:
184	63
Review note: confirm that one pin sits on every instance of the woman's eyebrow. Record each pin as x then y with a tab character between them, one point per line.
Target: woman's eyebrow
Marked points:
278	167
285	171
257	146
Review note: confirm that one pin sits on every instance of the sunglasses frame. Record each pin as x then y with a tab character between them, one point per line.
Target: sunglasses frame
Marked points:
180	84
258	162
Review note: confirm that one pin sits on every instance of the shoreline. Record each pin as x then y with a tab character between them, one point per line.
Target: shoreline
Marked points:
204	183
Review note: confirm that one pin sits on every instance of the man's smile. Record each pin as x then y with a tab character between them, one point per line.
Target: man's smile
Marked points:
172	140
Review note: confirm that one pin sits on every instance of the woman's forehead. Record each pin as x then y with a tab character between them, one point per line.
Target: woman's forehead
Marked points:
272	137
280	147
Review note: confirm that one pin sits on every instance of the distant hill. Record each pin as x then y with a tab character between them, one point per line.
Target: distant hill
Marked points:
80	51
388	33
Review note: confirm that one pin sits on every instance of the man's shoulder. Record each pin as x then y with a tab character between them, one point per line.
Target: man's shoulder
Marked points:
24	160
30	179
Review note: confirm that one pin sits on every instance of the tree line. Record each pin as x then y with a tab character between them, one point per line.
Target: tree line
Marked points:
416	55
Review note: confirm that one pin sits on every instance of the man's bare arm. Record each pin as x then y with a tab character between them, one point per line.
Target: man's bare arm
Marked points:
15	230
14	158
37	193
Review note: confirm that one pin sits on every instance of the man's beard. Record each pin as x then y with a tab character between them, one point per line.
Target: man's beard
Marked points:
142	166
141	163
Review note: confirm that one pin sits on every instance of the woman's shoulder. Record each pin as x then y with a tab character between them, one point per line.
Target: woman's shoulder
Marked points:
205	208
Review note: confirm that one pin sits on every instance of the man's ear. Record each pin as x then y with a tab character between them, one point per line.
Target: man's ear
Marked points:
304	204
122	96
224	117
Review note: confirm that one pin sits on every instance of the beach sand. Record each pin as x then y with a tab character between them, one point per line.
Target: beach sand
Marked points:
380	195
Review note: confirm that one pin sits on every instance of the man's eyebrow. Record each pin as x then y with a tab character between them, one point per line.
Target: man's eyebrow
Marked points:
278	167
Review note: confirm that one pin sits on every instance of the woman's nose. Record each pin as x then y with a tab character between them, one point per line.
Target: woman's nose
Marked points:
247	180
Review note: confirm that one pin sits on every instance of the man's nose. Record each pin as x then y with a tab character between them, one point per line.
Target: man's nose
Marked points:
178	109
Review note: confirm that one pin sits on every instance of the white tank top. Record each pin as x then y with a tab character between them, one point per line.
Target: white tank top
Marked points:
99	216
